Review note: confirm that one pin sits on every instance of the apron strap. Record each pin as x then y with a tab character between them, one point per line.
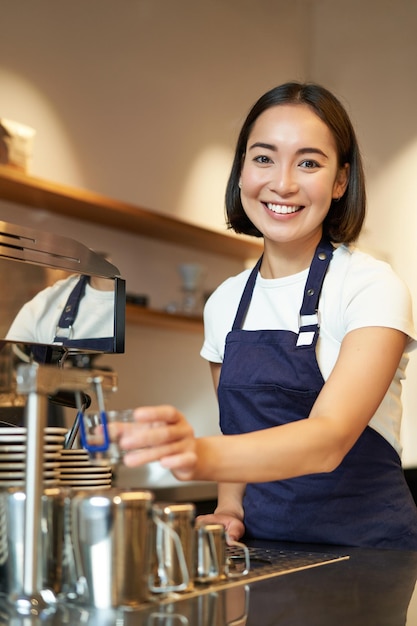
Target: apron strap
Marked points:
308	316
309	322
70	311
246	297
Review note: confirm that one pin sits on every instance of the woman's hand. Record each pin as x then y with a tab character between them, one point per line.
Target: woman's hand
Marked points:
234	526
159	433
229	510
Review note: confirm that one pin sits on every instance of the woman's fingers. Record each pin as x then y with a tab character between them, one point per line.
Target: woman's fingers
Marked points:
162	413
181	465
155	426
159	434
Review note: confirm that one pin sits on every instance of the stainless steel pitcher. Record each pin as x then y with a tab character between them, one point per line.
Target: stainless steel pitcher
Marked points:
12	541
211	563
110	534
173	547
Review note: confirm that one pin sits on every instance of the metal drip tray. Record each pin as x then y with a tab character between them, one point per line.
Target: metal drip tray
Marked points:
264	563
201	606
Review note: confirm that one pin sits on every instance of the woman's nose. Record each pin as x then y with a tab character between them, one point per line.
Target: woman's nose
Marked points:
284	181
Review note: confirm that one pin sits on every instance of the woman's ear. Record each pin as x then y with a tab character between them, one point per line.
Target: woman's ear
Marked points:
341	182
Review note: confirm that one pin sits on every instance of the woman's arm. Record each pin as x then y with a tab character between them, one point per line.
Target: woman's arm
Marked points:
229	509
366	365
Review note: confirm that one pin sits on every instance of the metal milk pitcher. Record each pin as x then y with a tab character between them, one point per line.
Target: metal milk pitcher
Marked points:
12	541
211	564
110	534
173	545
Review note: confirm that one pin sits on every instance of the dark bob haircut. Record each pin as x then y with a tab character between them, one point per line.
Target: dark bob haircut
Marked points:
344	220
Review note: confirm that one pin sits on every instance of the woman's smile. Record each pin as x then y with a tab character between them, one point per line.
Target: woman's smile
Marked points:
283	209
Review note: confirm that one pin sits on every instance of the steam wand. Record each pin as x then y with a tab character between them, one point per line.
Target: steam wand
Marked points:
74	400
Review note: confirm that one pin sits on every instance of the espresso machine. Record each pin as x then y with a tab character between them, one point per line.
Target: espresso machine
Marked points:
131	560
40	361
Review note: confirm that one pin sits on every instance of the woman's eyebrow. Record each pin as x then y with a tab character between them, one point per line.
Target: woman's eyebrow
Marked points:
260	144
309	150
301	151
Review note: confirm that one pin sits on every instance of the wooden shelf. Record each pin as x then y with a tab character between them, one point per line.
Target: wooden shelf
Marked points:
81	204
38	194
160	319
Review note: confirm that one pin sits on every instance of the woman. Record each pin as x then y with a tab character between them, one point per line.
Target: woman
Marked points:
307	351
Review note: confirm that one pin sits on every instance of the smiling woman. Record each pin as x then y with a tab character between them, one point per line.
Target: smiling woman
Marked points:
307	350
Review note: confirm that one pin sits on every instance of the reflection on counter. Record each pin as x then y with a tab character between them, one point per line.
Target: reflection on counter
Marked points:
227	608
371	588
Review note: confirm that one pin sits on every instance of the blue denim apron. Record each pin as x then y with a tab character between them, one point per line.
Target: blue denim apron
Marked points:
271	377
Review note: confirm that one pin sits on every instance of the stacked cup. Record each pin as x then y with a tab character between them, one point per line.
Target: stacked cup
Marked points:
77	471
13	456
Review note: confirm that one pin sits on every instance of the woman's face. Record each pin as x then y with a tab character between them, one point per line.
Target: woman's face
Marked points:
290	174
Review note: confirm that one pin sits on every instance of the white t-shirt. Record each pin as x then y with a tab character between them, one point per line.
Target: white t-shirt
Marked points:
37	320
358	291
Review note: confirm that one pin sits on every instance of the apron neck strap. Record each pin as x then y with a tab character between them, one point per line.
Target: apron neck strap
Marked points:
309	322
246	297
319	266
70	310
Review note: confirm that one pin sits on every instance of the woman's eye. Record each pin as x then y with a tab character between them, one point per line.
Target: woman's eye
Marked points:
262	159
309	164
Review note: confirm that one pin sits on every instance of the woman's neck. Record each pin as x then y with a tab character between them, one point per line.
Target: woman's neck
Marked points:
285	259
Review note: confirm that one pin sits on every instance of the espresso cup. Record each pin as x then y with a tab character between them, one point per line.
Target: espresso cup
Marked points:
95	434
212	564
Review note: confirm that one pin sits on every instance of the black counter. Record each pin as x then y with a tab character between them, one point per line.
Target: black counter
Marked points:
370	588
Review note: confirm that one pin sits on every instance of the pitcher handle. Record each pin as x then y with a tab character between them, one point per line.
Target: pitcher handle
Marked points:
244	548
165	528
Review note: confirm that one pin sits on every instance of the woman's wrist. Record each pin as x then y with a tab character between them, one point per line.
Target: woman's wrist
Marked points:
229	512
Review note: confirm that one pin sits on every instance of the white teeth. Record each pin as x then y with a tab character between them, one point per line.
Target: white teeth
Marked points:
282	209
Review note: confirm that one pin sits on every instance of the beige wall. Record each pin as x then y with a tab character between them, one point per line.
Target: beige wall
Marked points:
135	97
142	100
366	51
